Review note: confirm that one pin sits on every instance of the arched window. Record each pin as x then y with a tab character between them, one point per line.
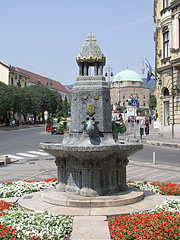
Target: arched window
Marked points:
166	92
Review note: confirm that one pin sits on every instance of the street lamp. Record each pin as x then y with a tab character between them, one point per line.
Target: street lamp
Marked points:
109	74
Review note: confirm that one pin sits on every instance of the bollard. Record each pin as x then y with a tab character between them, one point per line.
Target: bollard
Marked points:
7	159
154	158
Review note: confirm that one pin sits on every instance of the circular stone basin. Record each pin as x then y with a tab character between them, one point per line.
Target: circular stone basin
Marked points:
54	197
91	152
91	170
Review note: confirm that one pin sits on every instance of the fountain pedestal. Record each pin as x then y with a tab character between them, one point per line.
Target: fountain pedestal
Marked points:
90	163
91	170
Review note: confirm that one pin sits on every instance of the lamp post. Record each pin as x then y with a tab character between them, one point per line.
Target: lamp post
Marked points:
119	95
109	74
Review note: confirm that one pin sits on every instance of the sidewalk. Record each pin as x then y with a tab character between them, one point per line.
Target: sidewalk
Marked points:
8	129
154	139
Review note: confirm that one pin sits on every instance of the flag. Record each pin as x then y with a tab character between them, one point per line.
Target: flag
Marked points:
149	71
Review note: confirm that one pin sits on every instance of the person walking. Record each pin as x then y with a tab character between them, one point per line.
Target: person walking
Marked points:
146	126
150	119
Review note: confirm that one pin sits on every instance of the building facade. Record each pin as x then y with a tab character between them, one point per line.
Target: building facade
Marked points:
16	76
167	65
127	84
11	75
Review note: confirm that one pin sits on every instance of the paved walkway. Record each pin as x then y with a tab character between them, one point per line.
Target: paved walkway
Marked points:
153	139
8	129
90	227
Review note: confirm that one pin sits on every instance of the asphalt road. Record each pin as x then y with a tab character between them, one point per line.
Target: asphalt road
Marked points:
140	165
28	140
25	139
163	155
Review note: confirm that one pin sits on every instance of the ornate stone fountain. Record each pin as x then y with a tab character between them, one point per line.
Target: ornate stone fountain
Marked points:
90	162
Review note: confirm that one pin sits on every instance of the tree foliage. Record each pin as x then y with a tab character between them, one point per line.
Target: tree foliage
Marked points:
33	100
153	102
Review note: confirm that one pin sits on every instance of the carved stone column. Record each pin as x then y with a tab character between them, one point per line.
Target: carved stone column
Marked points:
95	69
60	163
80	69
85	69
101	69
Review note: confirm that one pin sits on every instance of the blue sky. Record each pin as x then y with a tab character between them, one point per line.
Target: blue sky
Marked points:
45	36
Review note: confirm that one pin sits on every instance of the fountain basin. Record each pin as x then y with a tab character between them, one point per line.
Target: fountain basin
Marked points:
91	170
132	195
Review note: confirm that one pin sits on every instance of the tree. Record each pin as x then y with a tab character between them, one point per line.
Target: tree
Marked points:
65	107
153	102
7	100
31	100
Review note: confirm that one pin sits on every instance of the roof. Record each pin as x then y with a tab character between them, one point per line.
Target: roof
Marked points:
38	79
127	75
91	51
4	65
44	81
154	93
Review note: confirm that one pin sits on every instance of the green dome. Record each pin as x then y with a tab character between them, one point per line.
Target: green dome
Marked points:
127	75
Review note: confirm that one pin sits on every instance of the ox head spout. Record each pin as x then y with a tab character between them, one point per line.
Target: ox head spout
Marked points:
90	127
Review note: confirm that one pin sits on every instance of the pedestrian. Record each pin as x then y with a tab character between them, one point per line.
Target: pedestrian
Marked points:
149	119
120	118
13	123
146	126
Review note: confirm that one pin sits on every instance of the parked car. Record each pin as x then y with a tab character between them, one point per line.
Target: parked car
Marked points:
53	129
131	119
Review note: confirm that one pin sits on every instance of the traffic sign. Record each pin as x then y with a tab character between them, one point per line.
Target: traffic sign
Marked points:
134	102
130	109
134	95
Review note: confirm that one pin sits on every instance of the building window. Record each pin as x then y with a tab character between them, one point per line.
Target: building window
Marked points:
123	97
166	44
12	81
124	104
166	92
165	3
25	85
19	83
144	104
137	97
144	97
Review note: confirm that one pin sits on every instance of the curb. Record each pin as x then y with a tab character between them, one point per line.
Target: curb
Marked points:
162	144
156	143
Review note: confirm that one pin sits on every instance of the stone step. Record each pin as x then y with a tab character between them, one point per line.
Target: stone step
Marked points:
55	197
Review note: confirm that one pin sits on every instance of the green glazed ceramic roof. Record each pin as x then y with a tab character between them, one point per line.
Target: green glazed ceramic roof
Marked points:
91	52
127	75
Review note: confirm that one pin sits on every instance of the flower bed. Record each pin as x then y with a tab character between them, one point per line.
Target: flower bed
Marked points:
15	223
158	225
162	222
158	187
30	225
20	188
